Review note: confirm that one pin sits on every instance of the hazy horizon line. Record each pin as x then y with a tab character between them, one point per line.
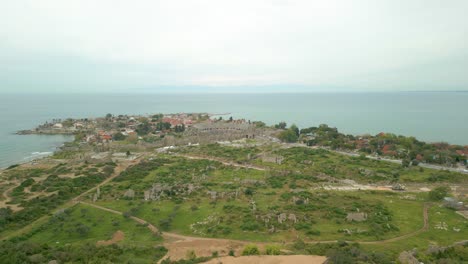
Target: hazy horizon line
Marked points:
228	92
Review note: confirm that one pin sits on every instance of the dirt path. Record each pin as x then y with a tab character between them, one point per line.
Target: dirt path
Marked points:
225	162
297	259
120	167
178	245
151	227
6	195
116	237
423	229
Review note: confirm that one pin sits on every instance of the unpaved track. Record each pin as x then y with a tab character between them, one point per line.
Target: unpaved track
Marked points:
151	227
225	162
281	259
6	195
178	237
120	167
116	237
178	244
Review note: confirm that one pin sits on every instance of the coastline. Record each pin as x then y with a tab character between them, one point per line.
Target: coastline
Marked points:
33	160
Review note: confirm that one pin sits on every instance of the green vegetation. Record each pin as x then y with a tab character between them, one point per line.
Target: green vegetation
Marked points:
29	252
12	166
438	193
315	215
249	191
272	250
70	235
250	250
409	149
85	224
58	190
289	135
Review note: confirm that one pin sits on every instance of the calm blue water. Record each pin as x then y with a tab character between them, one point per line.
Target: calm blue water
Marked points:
432	116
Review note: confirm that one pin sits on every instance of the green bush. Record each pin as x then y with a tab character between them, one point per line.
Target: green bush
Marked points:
250	250
439	193
272	250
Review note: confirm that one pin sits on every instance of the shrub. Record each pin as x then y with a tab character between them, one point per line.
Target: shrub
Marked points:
272	250
12	166
439	193
248	191
250	250
191	255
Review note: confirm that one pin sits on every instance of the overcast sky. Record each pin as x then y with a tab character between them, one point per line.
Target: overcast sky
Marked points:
233	46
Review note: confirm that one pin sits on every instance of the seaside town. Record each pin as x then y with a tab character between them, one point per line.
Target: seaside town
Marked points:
203	127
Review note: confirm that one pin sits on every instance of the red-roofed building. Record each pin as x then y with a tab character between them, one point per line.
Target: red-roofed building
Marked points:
174	122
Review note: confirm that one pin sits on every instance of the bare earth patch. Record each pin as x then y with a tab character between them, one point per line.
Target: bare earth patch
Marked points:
202	248
296	259
463	213
116	237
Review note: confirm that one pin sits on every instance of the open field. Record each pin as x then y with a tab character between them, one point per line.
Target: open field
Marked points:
217	199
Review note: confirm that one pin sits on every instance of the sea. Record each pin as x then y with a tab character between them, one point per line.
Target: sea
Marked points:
428	116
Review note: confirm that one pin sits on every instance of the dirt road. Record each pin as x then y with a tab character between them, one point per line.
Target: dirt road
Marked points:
6	195
225	162
178	245
120	167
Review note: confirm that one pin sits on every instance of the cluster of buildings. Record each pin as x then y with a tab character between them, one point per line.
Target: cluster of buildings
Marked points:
106	129
128	126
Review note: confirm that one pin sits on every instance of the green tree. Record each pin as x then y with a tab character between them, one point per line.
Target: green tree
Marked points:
143	128
118	136
405	163
259	124
80	136
179	128
82	229
295	129
163	126
281	125
288	136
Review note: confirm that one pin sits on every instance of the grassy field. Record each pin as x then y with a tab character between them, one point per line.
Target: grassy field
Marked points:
249	202
319	161
284	203
85	224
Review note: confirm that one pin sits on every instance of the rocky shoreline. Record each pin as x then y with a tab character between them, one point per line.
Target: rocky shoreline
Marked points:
44	132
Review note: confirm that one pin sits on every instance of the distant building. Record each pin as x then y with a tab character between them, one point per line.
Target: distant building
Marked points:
58	126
